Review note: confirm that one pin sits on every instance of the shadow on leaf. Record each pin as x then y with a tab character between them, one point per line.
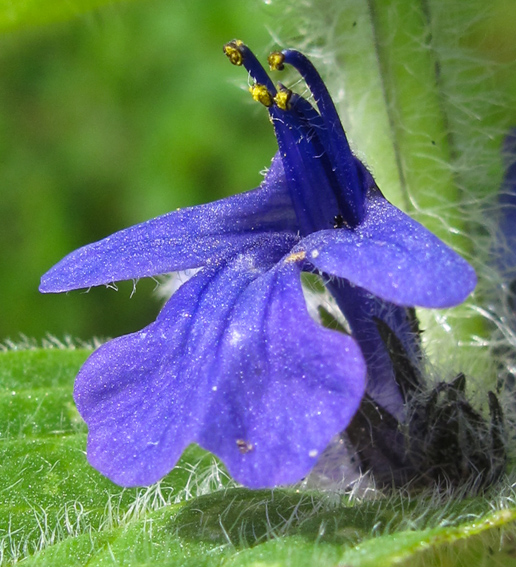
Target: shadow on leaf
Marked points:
244	518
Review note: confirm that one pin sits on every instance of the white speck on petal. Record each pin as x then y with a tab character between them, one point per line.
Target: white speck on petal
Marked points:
313	453
315	253
235	337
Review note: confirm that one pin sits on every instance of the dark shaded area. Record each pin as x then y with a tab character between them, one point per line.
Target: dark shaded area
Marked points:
442	441
245	518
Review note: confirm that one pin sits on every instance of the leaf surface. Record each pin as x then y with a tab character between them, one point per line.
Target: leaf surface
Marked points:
56	510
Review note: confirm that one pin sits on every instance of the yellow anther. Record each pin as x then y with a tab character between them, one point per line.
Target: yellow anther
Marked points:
233	52
282	99
276	60
296	256
261	94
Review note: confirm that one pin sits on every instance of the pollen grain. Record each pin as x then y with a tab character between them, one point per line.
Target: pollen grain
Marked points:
243	446
233	52
282	99
275	60
261	94
296	257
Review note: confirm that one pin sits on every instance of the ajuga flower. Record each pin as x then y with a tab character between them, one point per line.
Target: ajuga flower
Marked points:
234	362
502	307
506	252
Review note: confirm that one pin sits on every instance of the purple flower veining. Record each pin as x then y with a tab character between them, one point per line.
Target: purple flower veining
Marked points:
234	362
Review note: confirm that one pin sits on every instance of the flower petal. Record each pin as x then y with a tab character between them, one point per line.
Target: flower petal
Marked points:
505	247
394	257
362	310
234	363
187	238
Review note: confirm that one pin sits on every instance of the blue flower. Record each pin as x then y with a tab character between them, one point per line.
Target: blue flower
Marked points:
234	362
506	250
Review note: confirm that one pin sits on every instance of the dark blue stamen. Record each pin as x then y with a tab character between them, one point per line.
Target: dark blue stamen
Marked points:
324	178
341	155
304	112
303	172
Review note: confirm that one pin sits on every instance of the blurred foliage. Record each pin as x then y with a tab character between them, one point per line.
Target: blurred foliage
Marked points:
131	110
23	13
112	118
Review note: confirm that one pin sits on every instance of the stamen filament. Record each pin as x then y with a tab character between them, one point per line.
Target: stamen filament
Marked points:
339	145
282	99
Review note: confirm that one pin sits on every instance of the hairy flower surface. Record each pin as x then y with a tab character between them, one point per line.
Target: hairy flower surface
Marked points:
234	362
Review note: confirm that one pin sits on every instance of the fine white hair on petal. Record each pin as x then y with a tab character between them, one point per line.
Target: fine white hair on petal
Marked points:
170	283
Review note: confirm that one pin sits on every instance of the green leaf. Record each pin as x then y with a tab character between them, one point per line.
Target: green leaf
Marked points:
56	510
48	491
28	13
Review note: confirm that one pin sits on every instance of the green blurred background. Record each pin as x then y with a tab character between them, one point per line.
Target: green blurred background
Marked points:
108	120
132	110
